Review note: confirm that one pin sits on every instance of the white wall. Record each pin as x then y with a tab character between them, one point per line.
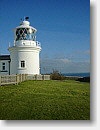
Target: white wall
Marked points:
28	54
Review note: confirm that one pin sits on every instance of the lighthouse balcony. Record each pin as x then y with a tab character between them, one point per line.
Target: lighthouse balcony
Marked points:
38	44
24	43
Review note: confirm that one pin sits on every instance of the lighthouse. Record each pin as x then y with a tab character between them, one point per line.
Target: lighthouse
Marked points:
24	54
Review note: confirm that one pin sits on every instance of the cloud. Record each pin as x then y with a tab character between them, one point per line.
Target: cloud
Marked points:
64	60
64	65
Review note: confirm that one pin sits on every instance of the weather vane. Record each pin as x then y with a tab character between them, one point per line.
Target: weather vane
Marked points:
25	18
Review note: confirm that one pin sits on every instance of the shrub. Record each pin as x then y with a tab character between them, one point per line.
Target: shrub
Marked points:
56	76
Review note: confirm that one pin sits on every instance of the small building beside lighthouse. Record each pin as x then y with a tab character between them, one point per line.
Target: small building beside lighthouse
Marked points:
24	54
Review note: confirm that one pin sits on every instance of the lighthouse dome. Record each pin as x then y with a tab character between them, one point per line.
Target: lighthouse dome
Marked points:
25	23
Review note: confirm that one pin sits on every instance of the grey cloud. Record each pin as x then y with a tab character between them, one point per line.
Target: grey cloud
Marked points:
63	66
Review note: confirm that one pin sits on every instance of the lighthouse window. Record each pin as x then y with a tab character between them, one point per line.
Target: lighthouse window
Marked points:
3	66
22	64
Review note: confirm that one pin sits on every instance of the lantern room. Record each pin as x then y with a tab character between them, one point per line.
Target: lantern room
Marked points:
25	32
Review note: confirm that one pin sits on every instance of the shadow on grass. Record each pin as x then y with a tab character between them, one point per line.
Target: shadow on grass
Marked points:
45	123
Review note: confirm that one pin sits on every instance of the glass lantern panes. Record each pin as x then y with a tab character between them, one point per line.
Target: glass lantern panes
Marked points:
25	34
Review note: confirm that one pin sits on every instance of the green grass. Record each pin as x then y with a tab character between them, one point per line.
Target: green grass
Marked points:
45	100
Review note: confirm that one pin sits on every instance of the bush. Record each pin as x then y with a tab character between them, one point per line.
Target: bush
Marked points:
56	76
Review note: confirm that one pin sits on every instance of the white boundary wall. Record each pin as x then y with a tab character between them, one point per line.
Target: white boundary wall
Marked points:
15	79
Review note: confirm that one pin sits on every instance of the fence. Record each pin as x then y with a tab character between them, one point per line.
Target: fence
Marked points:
15	79
12	79
38	77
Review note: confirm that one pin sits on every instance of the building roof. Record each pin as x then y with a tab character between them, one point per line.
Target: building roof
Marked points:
4	57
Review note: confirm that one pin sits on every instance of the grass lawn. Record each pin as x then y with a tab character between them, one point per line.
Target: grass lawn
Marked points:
45	100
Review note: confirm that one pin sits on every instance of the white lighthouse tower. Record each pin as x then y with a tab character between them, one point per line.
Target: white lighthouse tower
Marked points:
24	54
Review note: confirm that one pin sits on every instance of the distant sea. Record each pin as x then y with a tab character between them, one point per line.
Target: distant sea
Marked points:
77	74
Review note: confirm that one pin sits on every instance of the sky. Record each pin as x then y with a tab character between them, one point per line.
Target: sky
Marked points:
63	29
